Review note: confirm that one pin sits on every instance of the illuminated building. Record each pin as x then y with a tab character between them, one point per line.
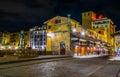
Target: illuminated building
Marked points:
106	28
4	40
117	41
89	43
87	17
58	34
23	39
38	38
101	25
65	35
0	40
27	39
14	40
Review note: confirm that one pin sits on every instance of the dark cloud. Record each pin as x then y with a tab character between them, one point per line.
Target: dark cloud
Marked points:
20	14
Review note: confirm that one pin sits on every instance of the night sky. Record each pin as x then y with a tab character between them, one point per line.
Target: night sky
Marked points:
24	14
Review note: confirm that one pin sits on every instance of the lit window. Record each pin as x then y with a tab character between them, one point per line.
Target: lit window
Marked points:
43	31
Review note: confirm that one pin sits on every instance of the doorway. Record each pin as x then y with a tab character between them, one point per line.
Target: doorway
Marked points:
62	48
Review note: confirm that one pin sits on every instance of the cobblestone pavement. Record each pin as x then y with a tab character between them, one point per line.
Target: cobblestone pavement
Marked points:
118	75
13	58
109	70
94	67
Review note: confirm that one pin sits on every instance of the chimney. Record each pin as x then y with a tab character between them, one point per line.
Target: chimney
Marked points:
68	18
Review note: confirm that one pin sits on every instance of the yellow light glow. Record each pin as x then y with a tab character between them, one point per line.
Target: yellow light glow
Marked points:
74	30
50	34
2	47
94	48
16	47
9	47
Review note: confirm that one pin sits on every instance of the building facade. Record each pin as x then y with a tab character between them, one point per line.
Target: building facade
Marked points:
58	34
4	40
38	38
106	28
87	17
14	40
101	25
27	39
65	36
117	41
23	39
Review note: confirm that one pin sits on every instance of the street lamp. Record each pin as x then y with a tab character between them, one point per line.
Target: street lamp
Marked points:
74	30
83	33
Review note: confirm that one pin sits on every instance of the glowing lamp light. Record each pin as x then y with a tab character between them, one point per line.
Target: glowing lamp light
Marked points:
16	47
74	30
42	47
33	47
83	33
76	46
2	47
93	18
88	48
100	16
9	47
50	34
94	48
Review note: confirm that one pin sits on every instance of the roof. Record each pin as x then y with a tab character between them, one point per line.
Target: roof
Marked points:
117	32
58	17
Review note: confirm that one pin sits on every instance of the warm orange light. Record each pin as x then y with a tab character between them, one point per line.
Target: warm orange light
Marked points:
93	18
16	47
76	49
94	48
100	16
82	51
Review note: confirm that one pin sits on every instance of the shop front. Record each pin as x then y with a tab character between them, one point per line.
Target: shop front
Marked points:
85	47
80	48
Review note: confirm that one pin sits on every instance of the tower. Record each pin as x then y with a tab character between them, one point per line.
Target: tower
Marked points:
87	18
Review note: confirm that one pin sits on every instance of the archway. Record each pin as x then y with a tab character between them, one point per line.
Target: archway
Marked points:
62	48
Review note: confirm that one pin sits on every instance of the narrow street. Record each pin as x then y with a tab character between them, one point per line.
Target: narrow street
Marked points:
65	67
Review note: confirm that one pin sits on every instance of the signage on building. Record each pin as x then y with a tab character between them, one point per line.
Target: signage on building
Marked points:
74	38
